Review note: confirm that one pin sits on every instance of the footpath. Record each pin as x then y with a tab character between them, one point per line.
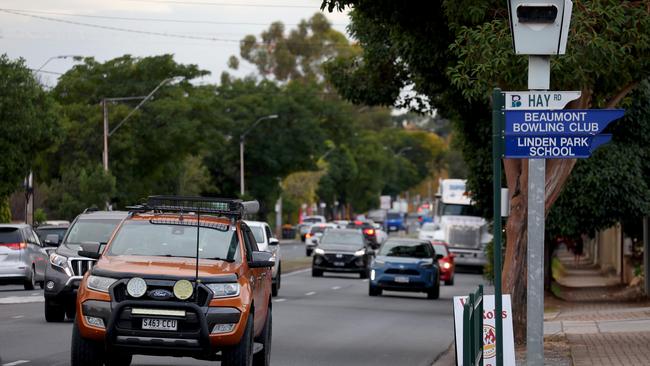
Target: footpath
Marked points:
589	320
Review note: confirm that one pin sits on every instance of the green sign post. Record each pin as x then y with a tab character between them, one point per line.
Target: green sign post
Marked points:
498	101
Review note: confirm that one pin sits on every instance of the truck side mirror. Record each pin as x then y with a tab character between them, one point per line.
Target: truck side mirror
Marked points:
90	249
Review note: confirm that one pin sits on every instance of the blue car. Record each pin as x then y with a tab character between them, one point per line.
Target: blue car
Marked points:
394	222
405	265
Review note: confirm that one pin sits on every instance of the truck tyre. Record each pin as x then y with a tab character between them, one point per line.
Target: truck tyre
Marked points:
263	357
119	360
241	354
30	279
374	291
363	274
450	282
70	311
316	272
276	286
434	293
85	352
308	252
54	313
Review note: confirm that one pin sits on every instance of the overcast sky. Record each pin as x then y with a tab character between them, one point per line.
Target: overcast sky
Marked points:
49	30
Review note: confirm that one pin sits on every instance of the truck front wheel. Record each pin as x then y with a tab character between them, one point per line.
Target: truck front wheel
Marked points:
241	354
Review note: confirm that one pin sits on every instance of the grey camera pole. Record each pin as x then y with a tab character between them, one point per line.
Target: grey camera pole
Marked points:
539	78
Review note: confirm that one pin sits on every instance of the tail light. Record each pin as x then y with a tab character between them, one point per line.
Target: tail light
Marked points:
369	232
446	265
14	246
308	235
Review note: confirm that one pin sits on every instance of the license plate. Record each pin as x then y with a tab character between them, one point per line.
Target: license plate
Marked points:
159	324
393	227
339	264
400	279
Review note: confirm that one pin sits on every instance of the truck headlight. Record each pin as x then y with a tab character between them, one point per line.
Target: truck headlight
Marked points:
319	251
224	289
99	283
59	261
360	253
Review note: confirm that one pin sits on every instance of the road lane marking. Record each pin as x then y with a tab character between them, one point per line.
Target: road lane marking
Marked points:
19	362
310	293
296	272
365	280
279	300
21	299
336	288
17	316
37	294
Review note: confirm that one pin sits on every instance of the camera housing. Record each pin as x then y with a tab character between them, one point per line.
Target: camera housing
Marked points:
540	27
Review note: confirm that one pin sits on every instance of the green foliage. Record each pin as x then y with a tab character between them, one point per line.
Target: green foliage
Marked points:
28	123
39	216
297	55
613	185
5	210
454	52
78	189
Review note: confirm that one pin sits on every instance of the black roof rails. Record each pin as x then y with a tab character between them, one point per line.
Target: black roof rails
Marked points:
203	205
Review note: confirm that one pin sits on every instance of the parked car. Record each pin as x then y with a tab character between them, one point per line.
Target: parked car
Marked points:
173	283
405	265
266	242
428	230
22	256
51	235
342	250
66	267
313	236
371	231
445	262
395	221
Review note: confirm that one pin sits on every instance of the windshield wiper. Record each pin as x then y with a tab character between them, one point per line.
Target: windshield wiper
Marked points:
221	259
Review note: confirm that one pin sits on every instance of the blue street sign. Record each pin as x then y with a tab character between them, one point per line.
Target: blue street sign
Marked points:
573	122
554	147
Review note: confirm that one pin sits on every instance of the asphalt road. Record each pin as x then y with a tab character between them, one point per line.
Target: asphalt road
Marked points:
317	321
292	249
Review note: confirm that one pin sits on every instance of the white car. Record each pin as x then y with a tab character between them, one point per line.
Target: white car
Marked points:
313	236
307	223
427	231
266	242
340	224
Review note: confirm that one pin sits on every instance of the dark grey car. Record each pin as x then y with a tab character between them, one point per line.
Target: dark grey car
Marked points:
22	256
66	267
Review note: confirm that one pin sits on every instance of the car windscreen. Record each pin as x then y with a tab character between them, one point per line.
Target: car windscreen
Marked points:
341	240
43	233
406	249
318	229
167	240
440	249
458	210
9	235
393	216
312	220
96	230
258	233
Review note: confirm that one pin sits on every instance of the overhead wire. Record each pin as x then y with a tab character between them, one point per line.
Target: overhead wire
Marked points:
207	3
144	19
137	31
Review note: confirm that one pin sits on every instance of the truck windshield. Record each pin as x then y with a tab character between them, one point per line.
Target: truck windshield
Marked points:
447	209
91	230
145	238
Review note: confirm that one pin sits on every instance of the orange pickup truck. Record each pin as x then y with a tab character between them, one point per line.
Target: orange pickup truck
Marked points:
181	276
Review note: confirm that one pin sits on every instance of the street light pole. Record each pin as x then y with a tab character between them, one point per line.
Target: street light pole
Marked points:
241	150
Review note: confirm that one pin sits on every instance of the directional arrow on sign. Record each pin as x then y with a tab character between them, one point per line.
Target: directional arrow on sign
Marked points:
560	122
554	147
